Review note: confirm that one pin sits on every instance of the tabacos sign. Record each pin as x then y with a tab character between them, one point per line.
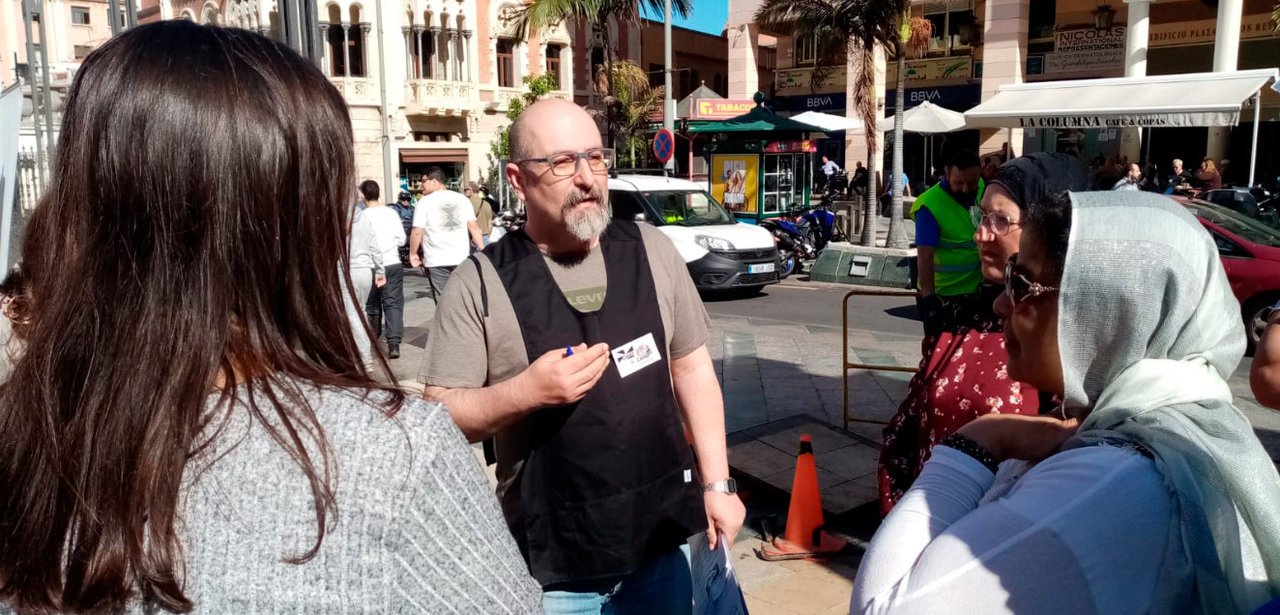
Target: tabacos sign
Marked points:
720	109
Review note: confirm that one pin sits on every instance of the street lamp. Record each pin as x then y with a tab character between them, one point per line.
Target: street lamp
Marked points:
1103	18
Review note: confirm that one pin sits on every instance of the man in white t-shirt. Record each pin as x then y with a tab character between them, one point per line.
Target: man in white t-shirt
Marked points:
444	225
386	299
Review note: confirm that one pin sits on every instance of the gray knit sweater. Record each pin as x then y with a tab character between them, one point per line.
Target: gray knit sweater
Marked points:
418	528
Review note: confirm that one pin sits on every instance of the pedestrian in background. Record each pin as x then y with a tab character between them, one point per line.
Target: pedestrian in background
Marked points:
385	302
964	373
484	215
946	221
366	271
1149	491
579	344
1131	180
190	415
1208	178
1264	374
444	227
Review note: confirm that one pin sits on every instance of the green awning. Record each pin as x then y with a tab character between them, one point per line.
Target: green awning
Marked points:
759	119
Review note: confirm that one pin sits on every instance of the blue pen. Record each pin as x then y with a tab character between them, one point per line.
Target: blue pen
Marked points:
568	351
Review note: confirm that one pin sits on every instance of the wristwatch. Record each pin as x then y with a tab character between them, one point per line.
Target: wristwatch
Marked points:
727	485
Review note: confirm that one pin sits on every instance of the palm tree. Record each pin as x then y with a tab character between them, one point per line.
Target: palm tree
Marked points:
634	101
847	28
913	35
538	15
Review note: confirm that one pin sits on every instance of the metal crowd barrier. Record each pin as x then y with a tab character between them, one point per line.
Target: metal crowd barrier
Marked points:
845	343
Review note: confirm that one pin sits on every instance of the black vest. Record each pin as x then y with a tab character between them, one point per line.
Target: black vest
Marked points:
609	481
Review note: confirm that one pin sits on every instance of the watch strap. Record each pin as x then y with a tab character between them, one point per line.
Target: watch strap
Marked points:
727	485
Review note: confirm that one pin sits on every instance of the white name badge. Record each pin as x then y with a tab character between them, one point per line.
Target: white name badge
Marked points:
636	355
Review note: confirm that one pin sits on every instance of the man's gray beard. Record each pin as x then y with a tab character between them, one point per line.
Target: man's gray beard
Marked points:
586	223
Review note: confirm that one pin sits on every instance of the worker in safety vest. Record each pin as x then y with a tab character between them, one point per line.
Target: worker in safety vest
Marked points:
946	217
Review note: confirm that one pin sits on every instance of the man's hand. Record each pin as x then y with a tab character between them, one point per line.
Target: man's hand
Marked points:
554	379
1013	436
725	513
379	281
415	260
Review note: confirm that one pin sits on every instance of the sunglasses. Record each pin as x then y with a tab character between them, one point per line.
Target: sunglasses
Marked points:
1019	287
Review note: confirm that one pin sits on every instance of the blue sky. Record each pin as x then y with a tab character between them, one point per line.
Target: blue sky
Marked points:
707	16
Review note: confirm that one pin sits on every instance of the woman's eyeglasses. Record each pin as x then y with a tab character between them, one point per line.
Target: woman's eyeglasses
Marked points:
1019	287
998	223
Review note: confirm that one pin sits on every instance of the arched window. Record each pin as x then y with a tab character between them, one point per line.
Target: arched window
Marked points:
336	40
356	31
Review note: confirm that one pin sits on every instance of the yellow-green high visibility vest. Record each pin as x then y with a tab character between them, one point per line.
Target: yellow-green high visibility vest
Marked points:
955	258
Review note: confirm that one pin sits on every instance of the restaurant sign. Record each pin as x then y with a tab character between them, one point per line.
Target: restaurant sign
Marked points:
1137	120
720	109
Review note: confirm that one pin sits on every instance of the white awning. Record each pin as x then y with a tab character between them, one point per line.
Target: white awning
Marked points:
1198	99
828	122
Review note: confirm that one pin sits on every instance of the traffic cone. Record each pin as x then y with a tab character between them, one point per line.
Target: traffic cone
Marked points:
804	536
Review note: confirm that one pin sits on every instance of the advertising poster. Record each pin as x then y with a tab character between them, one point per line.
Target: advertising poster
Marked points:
734	180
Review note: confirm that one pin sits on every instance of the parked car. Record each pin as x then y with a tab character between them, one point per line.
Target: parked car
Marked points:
720	252
1250	252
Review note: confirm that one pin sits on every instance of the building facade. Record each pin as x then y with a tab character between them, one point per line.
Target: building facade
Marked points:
74	28
980	45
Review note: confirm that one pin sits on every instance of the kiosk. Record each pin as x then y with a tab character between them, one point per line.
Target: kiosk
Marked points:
760	164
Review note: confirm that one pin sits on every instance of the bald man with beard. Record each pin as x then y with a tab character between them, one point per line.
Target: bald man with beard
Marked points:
578	344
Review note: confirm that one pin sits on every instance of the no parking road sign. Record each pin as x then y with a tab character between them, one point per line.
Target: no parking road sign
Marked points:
664	145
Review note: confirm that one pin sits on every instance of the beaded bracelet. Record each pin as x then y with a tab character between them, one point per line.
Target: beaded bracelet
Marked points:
972	449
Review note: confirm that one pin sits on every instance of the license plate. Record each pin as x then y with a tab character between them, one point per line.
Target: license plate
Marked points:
761	268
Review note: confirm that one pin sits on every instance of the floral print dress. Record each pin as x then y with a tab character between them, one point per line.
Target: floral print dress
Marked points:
963	375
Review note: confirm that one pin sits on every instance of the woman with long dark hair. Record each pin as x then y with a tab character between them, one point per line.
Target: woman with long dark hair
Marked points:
189	423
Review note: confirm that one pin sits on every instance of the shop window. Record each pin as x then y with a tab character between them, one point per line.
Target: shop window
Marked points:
952	31
553	64
806	50
506	63
80	15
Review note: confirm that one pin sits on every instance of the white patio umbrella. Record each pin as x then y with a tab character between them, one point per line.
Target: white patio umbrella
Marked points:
828	122
926	118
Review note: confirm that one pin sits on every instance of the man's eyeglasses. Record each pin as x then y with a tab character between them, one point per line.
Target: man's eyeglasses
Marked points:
565	164
1019	287
998	223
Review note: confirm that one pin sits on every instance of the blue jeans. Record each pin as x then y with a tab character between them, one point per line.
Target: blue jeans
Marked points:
663	585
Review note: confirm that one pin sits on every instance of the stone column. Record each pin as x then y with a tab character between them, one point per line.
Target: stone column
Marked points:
346	49
1135	65
365	28
1004	56
466	60
1226	53
326	63
435	55
408	53
455	55
744	71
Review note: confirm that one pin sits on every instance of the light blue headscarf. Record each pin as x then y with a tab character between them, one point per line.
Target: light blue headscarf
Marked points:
1149	332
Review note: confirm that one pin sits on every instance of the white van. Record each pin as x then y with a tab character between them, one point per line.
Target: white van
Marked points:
720	252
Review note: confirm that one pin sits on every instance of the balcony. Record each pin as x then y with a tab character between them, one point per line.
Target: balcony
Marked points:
436	97
502	97
356	89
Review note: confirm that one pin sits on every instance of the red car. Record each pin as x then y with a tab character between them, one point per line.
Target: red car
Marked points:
1250	252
